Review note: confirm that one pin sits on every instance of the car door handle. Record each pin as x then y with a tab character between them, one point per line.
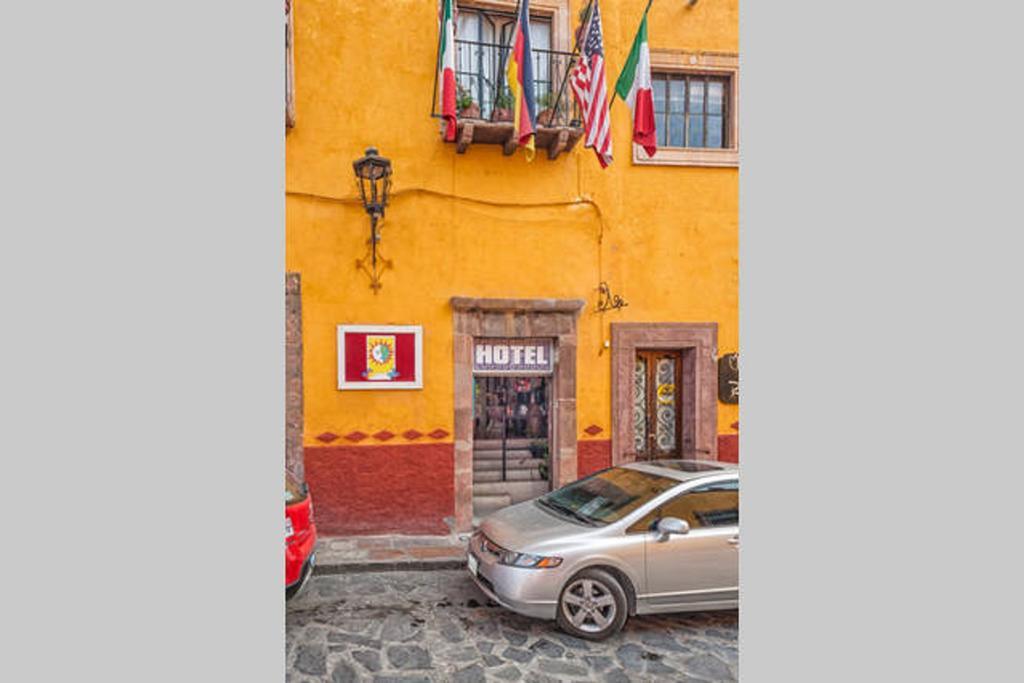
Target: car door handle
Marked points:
735	540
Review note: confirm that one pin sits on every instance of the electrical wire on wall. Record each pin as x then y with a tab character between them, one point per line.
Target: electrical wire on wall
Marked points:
579	201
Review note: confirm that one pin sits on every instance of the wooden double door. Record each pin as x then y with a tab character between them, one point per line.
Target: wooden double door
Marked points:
664	407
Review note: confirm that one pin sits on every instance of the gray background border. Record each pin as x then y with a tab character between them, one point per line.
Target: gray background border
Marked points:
880	323
143	345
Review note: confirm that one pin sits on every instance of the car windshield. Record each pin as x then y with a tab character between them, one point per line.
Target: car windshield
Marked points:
606	496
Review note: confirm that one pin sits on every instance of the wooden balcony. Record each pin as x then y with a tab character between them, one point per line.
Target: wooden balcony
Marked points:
555	139
480	76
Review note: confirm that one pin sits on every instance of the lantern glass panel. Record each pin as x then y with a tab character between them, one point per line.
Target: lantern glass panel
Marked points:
374	175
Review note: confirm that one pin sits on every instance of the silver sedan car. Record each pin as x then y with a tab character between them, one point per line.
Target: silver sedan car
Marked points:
643	538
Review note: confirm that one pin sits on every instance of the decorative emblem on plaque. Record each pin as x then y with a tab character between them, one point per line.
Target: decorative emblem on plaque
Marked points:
380	357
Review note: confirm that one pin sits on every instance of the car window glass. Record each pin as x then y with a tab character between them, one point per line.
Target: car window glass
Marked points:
711	505
609	495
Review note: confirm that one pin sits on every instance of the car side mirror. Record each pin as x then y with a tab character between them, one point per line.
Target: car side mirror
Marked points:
671	525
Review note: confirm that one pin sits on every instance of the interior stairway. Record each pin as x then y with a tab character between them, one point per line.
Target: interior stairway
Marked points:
523	479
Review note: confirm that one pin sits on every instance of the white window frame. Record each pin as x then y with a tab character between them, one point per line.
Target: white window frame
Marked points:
698	63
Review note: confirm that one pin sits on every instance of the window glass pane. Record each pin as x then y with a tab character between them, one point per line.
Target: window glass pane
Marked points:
716	95
463	57
470	58
658	93
468	29
696	96
468	26
658	88
695	133
677	95
675	130
540	34
540	40
487	31
715	138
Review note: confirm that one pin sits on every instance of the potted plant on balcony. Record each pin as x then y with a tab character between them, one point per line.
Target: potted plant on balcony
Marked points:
547	101
502	107
468	109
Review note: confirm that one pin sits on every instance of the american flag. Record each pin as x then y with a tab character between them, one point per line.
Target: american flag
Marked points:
588	85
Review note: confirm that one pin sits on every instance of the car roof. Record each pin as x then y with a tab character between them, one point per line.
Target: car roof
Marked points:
683	470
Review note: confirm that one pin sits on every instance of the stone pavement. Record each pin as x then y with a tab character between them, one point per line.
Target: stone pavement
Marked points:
335	555
436	626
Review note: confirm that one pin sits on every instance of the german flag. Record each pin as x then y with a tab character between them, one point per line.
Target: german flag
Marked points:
519	72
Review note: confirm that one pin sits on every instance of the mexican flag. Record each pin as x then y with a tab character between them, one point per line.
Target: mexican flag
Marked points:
446	64
634	86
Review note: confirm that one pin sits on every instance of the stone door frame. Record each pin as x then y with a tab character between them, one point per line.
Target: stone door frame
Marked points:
700	339
509	318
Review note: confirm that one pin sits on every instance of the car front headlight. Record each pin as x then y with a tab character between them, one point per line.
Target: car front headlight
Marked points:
513	559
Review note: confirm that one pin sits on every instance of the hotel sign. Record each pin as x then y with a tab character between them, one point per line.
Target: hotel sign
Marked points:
513	356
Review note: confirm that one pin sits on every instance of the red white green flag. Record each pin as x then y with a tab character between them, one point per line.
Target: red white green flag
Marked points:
634	86
446	64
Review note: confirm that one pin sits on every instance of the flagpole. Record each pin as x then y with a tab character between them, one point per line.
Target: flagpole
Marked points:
437	65
503	65
574	56
642	17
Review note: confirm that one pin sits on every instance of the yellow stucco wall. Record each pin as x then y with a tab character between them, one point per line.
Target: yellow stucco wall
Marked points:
665	238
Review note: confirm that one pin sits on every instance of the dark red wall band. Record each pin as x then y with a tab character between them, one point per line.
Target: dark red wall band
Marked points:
360	490
409	488
593	455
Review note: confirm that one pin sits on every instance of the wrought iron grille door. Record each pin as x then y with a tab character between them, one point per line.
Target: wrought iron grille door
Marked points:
659	430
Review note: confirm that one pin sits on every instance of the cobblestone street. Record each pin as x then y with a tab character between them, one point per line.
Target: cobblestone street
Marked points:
436	626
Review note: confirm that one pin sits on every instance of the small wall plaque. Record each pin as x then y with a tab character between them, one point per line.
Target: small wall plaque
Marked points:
729	378
380	357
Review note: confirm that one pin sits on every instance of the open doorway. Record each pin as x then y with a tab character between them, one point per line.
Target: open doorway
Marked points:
512	424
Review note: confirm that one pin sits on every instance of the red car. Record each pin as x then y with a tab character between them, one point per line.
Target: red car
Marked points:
299	535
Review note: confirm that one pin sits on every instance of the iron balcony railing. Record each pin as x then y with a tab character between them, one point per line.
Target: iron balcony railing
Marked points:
480	74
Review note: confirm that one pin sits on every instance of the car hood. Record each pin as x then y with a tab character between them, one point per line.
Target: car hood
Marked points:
527	527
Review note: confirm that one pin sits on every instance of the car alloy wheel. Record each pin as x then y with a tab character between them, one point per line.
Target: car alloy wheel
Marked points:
592	605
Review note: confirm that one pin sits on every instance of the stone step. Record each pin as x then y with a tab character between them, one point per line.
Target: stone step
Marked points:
496	455
518	490
510	475
484	505
495	444
511	464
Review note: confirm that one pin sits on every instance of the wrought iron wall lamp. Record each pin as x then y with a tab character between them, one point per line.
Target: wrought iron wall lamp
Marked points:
373	173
